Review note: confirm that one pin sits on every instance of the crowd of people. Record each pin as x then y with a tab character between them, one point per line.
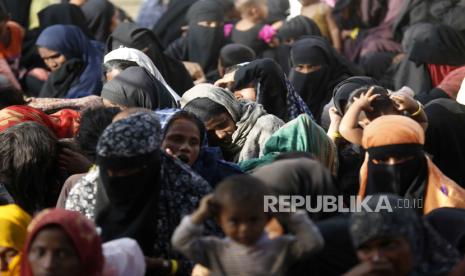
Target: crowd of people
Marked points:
151	145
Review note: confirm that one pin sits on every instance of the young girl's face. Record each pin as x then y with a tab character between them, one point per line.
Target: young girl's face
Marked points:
243	224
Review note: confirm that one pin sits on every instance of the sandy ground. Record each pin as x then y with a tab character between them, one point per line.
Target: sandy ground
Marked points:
130	6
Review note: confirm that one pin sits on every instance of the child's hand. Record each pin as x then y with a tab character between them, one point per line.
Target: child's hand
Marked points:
204	211
405	103
334	115
227	80
365	100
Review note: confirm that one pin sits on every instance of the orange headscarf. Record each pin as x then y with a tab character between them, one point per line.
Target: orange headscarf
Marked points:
64	124
395	129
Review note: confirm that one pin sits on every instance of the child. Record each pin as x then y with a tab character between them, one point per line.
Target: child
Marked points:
237	204
11	40
251	30
368	103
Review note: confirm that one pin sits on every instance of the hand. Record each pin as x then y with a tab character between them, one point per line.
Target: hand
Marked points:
205	210
334	115
371	268
73	162
346	34
405	103
227	80
365	100
195	71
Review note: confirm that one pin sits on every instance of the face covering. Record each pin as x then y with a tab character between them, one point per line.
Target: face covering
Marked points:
204	45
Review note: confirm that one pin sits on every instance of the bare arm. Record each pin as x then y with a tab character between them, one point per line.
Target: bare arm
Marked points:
334	31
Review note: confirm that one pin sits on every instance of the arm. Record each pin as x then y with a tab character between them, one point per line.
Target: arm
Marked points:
334	31
308	238
333	130
414	108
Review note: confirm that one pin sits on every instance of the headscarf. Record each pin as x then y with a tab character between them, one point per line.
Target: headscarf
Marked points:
298	177
13	230
233	54
136	87
200	38
123	257
451	83
344	89
80	231
64	124
142	60
316	87
244	113
432	254
130	35
127	205
85	80
99	15
417	178
64	14
441	220
301	134
297	27
278	10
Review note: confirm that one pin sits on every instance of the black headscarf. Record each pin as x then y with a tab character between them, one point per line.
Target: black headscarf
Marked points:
445	137
173	71
19	11
316	88
233	54
277	10
64	14
127	205
298	177
297	27
344	89
136	87
99	15
432	255
450	224
200	38
168	28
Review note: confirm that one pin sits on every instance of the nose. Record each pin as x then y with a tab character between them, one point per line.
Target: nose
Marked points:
220	134
48	261
185	147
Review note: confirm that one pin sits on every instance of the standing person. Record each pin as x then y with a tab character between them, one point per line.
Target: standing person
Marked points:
61	242
237	204
75	62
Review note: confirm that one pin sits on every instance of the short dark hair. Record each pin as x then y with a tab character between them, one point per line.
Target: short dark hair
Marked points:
241	189
11	96
205	109
93	123
189	116
29	165
233	54
380	105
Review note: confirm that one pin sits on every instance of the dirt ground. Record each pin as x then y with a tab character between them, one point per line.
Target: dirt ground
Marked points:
130	6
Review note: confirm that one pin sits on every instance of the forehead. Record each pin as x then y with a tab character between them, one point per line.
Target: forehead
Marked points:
182	125
46	52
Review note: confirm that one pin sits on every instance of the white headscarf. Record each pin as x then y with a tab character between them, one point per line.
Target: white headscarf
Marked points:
142	60
123	257
461	94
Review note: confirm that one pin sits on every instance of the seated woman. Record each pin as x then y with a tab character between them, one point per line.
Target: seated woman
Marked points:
63	243
13	231
239	127
396	241
185	138
264	81
396	163
136	87
114	57
75	62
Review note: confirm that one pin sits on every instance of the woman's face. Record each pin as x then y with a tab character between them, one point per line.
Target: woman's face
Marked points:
307	68
52	59
393	251
111	74
182	140
220	129
247	93
52	253
6	255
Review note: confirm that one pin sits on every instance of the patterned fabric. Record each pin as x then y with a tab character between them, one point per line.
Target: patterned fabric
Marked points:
296	105
180	193
133	136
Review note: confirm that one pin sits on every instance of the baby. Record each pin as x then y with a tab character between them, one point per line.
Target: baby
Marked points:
251	29
237	205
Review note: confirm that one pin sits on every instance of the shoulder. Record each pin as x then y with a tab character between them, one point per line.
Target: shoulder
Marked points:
82	197
269	122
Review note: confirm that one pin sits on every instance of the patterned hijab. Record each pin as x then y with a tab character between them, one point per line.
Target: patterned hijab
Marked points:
432	254
80	231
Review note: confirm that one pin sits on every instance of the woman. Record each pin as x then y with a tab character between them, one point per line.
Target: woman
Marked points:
185	138
136	191
29	167
13	230
396	241
63	124
295	28
101	18
142	60
74	60
396	163
316	70
130	35
61	242
299	135
136	87
239	128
